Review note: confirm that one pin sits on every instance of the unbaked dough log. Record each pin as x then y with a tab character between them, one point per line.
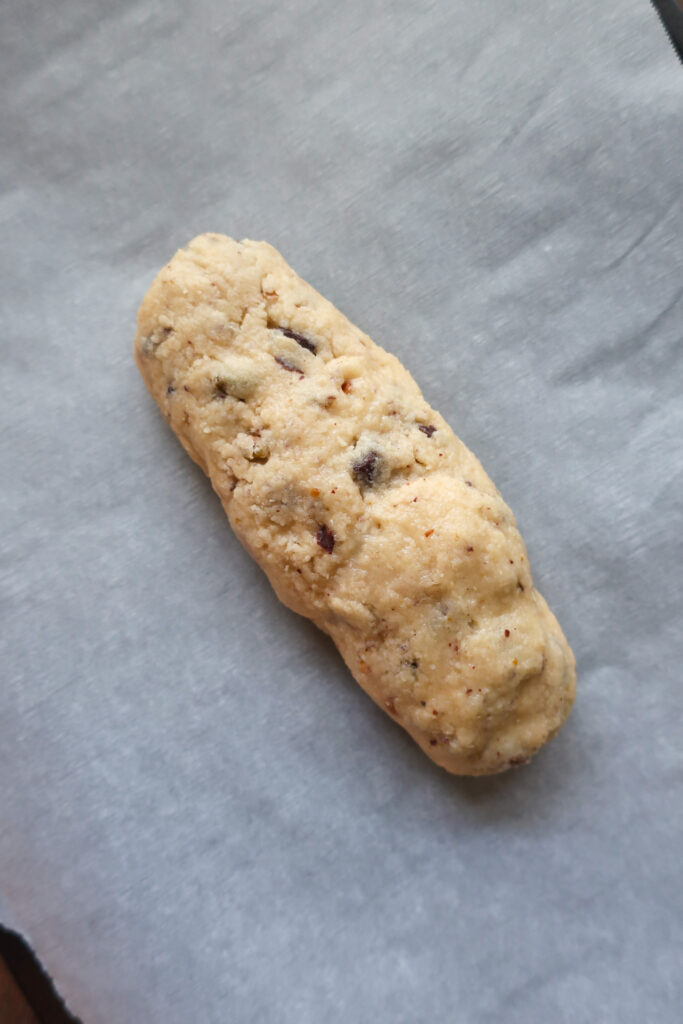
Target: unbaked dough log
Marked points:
367	513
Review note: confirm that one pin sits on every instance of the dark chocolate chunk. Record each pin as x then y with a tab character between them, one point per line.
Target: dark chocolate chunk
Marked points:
287	365
300	339
428	430
170	389
152	341
325	538
224	387
367	470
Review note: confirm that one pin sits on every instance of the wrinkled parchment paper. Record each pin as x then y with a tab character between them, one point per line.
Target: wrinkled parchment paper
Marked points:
202	817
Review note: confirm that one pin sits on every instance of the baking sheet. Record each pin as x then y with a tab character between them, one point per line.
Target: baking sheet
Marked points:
202	817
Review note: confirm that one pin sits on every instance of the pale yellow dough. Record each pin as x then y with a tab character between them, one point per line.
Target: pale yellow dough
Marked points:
391	538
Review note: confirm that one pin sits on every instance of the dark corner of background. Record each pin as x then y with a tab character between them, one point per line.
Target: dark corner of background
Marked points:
671	15
27	994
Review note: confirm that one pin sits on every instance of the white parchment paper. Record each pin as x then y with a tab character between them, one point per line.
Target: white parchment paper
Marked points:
202	817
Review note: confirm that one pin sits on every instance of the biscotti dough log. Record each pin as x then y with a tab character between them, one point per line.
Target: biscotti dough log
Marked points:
367	513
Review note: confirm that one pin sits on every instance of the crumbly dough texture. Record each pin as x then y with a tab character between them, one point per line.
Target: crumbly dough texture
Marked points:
367	513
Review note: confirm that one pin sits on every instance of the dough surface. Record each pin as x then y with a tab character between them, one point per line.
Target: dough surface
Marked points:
367	513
